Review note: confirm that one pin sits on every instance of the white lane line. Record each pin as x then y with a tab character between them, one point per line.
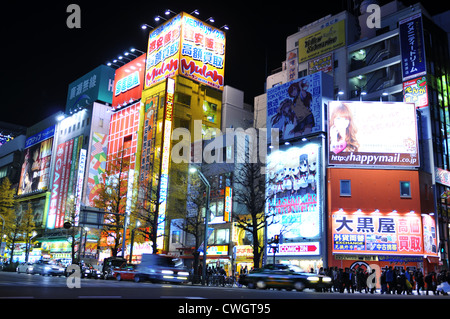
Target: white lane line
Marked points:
99	297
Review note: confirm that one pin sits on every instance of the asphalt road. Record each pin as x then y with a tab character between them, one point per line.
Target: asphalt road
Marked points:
107	295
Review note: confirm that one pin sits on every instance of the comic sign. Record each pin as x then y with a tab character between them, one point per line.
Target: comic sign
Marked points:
368	233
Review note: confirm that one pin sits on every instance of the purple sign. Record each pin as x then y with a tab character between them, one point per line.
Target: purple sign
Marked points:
412	47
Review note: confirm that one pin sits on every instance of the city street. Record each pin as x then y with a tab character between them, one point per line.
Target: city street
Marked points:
23	286
108	296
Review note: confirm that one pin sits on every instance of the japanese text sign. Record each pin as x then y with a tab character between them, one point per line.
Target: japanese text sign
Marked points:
187	46
129	82
412	47
415	91
369	233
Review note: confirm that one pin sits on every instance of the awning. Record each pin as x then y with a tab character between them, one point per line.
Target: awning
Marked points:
433	260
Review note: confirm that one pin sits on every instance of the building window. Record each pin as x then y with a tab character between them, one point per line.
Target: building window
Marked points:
405	189
176	236
345	187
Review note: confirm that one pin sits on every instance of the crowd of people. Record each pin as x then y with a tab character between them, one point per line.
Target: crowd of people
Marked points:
392	280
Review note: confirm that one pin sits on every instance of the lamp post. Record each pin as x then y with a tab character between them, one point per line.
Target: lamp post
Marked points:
205	239
138	223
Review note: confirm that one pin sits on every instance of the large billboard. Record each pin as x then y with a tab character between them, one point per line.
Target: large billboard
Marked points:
296	108
129	82
64	181
323	41
295	198
412	47
379	134
187	46
96	85
35	172
387	233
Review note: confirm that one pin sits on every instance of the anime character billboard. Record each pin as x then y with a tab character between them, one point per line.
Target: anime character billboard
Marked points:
296	108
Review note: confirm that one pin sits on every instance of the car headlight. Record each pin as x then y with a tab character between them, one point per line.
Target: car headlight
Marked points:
47	267
313	278
183	273
167	272
326	279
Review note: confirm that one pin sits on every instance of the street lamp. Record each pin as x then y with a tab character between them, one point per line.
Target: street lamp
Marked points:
193	170
138	223
158	17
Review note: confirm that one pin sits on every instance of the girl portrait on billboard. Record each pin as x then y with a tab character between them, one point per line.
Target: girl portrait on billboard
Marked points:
284	118
298	91
342	130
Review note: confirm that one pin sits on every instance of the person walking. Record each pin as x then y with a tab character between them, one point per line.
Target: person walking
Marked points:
390	280
420	284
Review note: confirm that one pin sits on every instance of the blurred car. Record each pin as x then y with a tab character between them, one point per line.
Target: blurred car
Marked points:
25	267
284	276
109	264
161	268
49	267
86	270
125	272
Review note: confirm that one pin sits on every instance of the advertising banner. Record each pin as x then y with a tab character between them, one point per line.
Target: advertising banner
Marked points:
415	91
323	41
377	233
296	107
97	166
148	138
202	52
95	85
323	63
129	82
35	172
62	186
163	52
430	247
412	47
294	207
187	46
372	134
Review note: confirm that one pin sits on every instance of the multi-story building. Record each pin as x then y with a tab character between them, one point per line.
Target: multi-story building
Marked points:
402	60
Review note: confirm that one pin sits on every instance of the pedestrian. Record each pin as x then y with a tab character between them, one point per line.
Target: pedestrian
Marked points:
383	282
353	280
401	282
347	282
373	282
389	279
420	284
429	280
335	279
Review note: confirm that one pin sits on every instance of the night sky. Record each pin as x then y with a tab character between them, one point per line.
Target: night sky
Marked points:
41	56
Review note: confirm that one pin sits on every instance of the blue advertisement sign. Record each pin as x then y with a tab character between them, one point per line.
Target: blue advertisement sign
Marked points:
97	85
41	136
296	108
412	47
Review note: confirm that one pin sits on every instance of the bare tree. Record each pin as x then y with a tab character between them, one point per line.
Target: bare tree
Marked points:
112	198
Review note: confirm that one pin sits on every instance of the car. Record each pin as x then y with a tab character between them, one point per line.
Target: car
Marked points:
284	276
125	272
49	267
25	267
109	264
161	268
86	270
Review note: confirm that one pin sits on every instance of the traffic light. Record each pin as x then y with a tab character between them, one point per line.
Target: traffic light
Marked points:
276	239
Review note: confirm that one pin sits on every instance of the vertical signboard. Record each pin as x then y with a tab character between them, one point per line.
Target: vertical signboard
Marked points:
202	56
412	47
295	198
165	160
163	51
79	186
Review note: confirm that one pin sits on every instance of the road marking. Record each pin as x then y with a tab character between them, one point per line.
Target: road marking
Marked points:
20	297
180	297
99	297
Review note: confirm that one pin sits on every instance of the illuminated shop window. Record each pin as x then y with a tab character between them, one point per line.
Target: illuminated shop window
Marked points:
405	189
210	111
345	187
